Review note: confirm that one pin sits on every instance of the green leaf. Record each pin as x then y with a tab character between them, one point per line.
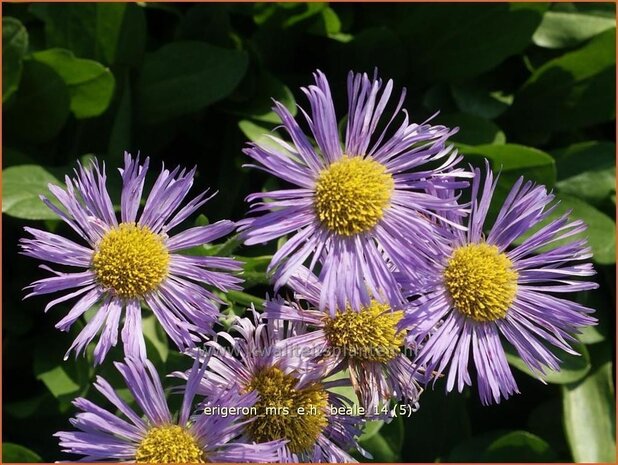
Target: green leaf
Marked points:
265	88
473	130
587	170
568	29
572	367
22	187
90	84
473	98
371	48
14	453
257	133
471	449
184	77
512	161
370	429
452	41
601	232
107	32
589	416
519	446
572	91
385	445
41	105
545	421
58	381
442	422
602	302
65	380
155	334
14	47
120	137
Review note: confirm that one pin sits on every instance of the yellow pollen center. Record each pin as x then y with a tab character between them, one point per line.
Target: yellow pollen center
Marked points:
481	281
368	335
169	444
284	412
131	260
351	195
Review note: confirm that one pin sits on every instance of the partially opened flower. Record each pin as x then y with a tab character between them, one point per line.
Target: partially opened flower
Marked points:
134	260
294	401
490	290
367	342
157	436
357	207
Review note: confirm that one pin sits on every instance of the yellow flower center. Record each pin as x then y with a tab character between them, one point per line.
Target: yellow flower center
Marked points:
368	335
351	195
169	444
131	260
481	281
284	412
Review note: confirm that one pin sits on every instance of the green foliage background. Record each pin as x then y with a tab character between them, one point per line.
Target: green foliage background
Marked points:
532	87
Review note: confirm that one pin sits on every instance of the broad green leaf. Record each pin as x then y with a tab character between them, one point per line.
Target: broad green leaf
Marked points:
120	138
545	421
263	88
587	170
519	446
601	232
511	161
373	48
456	41
473	130
90	84
572	367
439	98
65	380
14	453
307	11
184	77
58	381
385	445
589	416
14	47
328	24
474	98
471	449
602	302
21	190
257	133
155	334
107	32
568	29
371	428
41	106
442	422
574	90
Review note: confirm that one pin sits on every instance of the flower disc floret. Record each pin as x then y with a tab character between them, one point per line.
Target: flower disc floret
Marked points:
351	195
481	281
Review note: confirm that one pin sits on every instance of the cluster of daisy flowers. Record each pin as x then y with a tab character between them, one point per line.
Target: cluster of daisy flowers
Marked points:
394	278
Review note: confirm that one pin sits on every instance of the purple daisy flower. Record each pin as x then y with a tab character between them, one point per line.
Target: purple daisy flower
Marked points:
133	260
158	437
366	342
357	205
485	289
294	401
